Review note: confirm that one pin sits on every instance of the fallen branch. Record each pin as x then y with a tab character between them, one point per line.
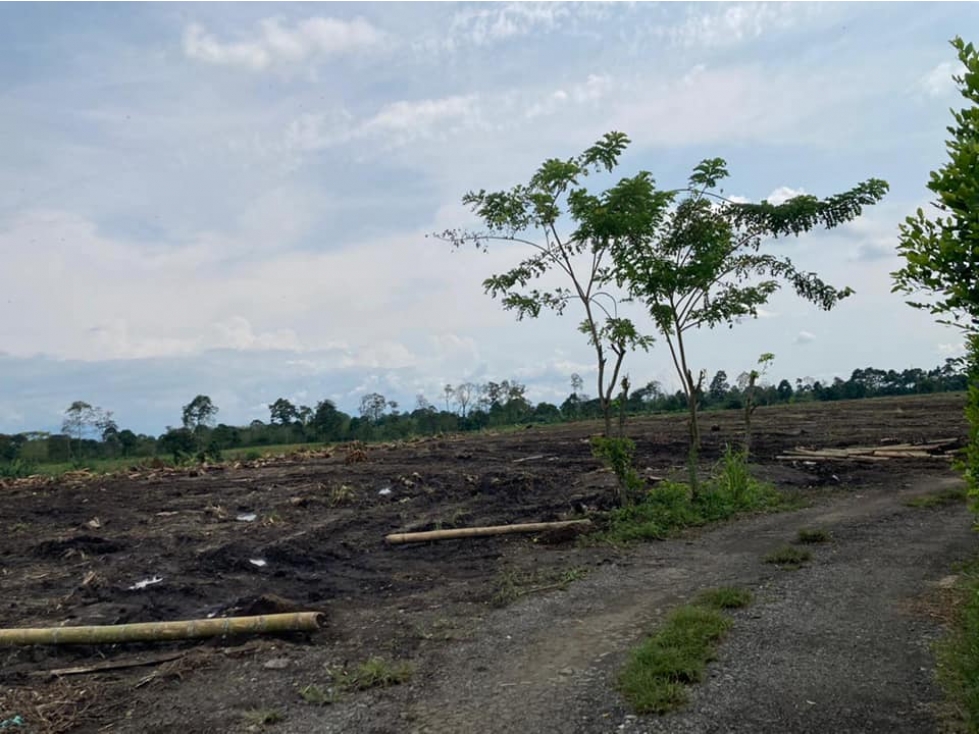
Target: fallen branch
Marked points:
530	527
111	665
163	631
536	457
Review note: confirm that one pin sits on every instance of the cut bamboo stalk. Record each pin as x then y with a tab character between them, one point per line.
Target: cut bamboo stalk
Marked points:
163	631
906	454
529	527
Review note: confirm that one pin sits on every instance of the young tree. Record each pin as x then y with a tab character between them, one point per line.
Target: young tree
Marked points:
942	254
703	265
747	383
529	214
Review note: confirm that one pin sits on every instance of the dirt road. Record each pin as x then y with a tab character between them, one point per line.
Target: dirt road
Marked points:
841	645
840	633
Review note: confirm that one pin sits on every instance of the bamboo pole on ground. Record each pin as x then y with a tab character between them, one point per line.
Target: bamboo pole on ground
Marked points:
529	527
163	631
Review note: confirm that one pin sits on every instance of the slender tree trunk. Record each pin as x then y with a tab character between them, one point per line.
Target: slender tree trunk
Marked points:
622	406
691	388
749	408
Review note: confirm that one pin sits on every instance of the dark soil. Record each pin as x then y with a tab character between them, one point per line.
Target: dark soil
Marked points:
71	550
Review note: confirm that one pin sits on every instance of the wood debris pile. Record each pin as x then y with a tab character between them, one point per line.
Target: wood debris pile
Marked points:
942	448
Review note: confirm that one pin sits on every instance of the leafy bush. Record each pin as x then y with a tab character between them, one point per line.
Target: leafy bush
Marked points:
671	506
17	468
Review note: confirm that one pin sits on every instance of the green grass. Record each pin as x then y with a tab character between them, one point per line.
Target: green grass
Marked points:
788	557
375	673
813	535
938	499
669	507
726	597
957	653
656	676
314	695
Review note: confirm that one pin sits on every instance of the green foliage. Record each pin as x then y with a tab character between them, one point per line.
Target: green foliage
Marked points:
788	557
942	254
671	506
725	597
958	652
655	677
199	412
283	412
700	264
179	443
315	695
627	212
617	454
17	469
971	460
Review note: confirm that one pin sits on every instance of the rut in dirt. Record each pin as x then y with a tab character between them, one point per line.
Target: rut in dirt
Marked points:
841	645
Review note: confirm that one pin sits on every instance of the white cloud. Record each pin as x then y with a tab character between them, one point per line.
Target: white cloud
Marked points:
782	194
273	43
721	26
938	82
952	350
406	120
484	26
593	89
805	337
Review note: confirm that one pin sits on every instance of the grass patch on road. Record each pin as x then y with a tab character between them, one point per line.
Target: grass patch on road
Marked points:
656	677
375	673
957	653
788	557
726	597
939	498
813	535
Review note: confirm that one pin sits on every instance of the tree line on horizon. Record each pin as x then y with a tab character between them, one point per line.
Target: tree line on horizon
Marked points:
89	432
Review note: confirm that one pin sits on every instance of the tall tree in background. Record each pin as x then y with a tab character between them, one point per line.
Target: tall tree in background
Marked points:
702	265
372	406
283	412
942	254
78	418
530	215
199	414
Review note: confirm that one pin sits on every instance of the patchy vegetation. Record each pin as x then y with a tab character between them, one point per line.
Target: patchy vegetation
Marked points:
725	597
656	676
375	672
813	535
789	557
672	506
939	499
958	652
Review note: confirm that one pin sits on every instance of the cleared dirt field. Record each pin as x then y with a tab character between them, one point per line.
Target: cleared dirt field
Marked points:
71	550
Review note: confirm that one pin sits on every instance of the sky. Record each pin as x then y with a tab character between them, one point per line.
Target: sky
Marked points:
233	199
